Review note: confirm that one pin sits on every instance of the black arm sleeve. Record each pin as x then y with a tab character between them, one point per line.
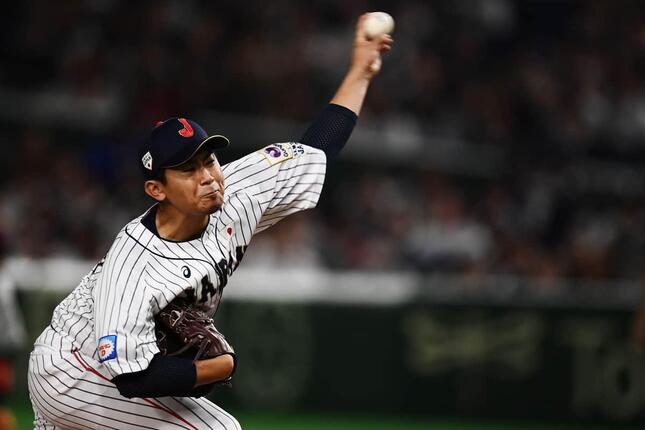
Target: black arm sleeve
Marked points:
165	376
330	130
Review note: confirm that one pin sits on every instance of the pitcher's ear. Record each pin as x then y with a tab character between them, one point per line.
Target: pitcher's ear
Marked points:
155	189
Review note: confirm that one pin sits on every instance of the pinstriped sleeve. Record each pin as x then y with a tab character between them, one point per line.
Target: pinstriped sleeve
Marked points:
280	179
124	311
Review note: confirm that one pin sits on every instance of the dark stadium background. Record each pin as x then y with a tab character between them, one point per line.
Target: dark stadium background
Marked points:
483	229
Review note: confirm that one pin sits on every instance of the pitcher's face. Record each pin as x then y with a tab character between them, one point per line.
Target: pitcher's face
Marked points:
196	187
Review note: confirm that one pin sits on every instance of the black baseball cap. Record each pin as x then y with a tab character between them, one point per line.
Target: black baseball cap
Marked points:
173	142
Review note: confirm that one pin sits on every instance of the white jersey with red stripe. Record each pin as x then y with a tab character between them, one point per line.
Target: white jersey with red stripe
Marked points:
108	319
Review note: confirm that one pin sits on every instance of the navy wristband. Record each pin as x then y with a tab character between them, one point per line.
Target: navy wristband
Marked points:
165	376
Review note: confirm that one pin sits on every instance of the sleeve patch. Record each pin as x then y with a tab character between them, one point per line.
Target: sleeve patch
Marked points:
277	153
297	149
107	348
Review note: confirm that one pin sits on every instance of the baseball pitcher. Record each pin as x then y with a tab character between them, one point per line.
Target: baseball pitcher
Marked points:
133	346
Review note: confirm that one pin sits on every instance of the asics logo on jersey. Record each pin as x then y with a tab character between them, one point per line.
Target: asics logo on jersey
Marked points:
187	131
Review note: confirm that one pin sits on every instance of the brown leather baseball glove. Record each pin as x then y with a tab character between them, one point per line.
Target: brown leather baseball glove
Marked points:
182	329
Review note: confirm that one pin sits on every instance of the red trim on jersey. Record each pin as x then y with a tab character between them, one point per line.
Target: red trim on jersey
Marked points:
155	404
87	367
170	411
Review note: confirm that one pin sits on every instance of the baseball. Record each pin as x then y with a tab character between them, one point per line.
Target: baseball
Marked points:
378	23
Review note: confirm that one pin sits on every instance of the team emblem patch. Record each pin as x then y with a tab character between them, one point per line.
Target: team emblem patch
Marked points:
107	348
297	149
147	160
277	153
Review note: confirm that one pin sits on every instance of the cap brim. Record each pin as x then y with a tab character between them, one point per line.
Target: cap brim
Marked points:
216	141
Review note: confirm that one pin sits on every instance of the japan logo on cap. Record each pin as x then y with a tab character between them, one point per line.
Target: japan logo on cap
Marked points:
147	160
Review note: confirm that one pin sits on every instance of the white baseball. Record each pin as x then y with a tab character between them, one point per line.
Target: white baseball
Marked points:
378	23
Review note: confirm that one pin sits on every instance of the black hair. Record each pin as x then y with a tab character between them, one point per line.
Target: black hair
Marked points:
157	175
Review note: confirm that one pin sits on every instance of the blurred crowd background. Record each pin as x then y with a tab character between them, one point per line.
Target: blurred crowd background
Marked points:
555	89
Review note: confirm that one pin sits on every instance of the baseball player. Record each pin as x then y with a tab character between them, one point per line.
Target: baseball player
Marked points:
98	364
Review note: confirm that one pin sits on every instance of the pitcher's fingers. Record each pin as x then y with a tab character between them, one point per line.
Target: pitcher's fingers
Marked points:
385	42
360	31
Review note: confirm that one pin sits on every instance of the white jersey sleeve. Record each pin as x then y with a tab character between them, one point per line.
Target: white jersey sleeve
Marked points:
126	298
278	180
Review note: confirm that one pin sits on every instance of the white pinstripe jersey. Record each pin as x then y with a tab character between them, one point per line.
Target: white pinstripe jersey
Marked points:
110	314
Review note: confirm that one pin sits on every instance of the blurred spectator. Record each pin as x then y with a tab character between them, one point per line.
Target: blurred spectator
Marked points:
289	245
446	238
